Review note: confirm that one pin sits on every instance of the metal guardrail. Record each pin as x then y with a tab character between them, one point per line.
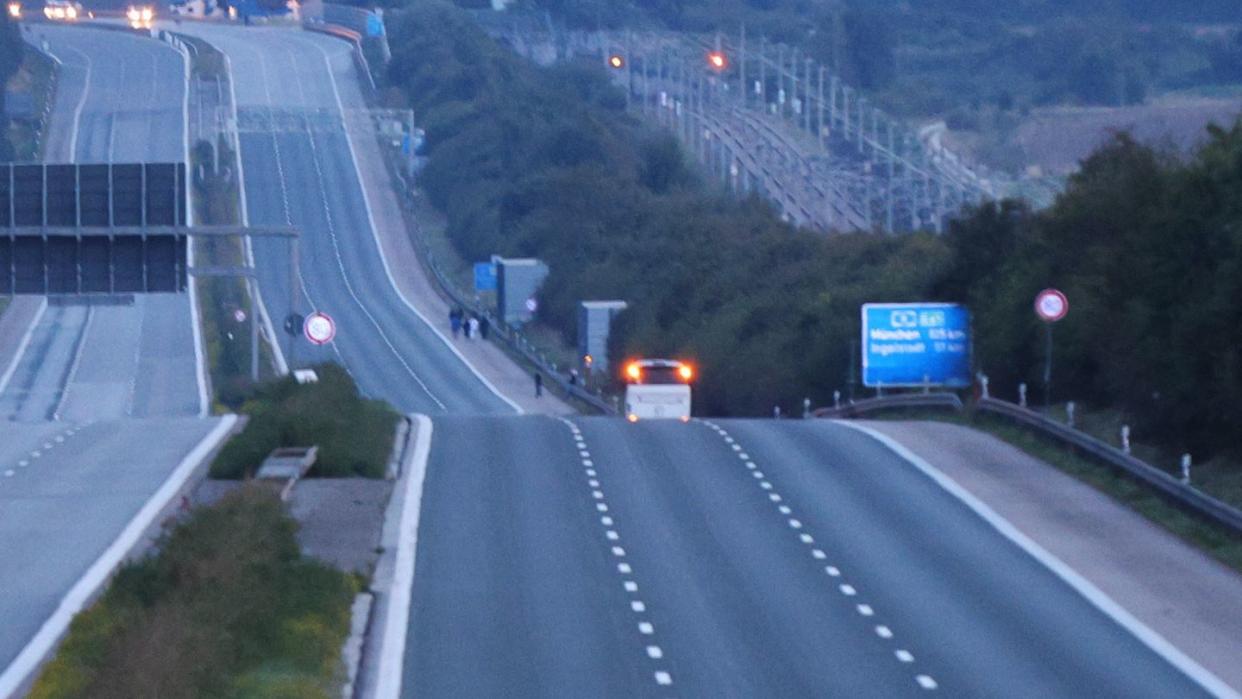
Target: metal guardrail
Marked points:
1185	496
893	402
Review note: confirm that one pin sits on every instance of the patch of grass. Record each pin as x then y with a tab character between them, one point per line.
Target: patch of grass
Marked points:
4	304
354	434
228	608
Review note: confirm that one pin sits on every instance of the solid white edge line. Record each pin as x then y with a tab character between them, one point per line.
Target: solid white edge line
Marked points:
200	362
28	660
76	364
366	200
22	345
1081	585
278	353
397	615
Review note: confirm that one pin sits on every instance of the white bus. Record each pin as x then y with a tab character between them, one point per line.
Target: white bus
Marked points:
657	389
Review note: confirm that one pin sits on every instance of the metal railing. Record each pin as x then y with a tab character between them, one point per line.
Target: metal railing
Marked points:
893	402
1171	489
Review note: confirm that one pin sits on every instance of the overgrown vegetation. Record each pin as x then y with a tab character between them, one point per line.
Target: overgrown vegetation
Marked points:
11	52
227	608
545	162
354	434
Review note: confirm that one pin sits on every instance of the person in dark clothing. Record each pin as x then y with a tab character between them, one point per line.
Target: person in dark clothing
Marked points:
455	321
484	326
538	385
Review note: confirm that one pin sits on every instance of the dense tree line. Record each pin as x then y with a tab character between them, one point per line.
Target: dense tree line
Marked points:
545	162
527	161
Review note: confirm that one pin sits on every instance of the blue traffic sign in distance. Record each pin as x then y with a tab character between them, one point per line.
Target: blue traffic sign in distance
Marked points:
915	344
484	276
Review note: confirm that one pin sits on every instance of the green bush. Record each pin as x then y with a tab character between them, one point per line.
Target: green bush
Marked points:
228	608
354	434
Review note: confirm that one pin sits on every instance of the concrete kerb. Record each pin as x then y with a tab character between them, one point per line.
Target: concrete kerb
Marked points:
383	648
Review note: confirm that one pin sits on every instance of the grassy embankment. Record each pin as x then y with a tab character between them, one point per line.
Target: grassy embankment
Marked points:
35	76
354	434
228	608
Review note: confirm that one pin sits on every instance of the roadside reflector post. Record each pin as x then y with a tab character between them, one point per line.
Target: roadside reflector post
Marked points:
1185	469
806	408
1125	438
926	384
1069	413
1022	395
776	412
836	400
983	382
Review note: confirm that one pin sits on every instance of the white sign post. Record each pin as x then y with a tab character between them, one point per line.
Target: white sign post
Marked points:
319	328
1050	305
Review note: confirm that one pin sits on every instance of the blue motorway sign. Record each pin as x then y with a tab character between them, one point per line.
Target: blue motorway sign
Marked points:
913	344
484	276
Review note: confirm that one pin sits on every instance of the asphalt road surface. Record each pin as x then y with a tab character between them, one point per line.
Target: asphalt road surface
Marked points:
653	559
120	98
66	492
294	98
77	465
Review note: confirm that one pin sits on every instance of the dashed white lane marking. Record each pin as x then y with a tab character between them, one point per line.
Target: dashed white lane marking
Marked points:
35	454
48	445
882	631
23	463
9	473
645	628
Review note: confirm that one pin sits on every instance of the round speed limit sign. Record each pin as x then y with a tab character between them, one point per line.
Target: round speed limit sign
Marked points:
1051	305
319	328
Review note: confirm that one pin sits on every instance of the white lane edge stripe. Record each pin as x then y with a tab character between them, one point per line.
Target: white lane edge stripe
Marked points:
1077	582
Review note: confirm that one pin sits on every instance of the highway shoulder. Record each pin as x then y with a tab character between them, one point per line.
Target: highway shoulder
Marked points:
1172	588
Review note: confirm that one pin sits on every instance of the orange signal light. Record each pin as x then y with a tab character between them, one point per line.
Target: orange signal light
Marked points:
686	372
633	371
616	61
717	60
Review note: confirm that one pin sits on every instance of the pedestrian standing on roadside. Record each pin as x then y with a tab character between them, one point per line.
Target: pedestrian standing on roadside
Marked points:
465	326
474	326
538	385
455	321
573	377
484	326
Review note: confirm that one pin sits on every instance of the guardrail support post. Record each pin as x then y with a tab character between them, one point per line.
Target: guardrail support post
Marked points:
1125	439
1069	413
1022	394
1185	469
